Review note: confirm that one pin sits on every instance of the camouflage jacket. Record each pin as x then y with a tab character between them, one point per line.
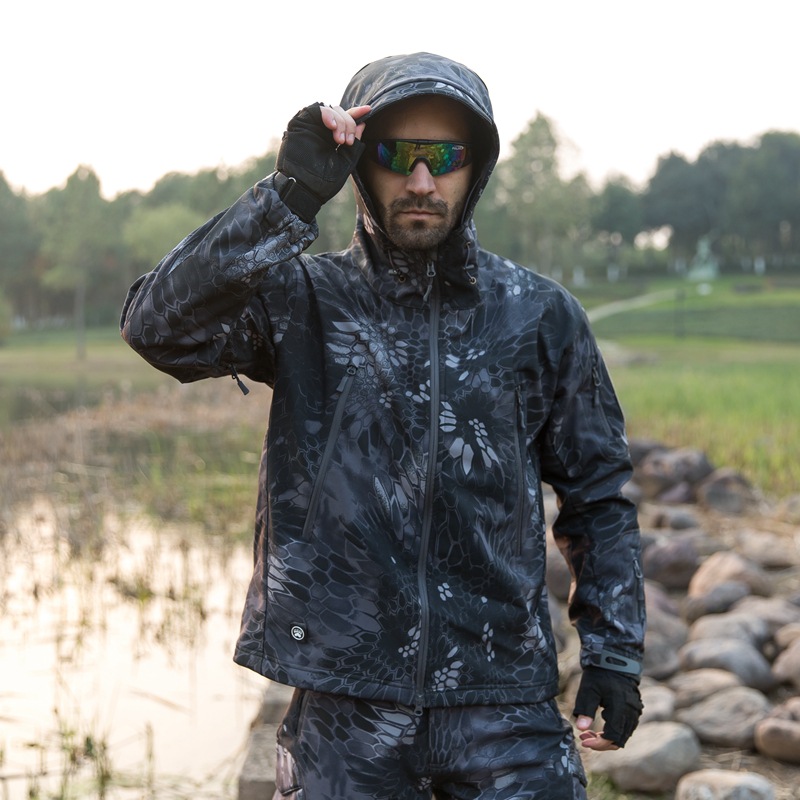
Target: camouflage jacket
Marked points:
418	405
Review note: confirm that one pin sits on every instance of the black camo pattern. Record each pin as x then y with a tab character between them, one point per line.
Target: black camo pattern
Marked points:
331	746
417	406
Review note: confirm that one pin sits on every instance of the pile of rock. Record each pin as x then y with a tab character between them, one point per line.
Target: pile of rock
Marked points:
721	682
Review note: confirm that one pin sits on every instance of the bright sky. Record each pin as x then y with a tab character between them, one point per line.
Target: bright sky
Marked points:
136	90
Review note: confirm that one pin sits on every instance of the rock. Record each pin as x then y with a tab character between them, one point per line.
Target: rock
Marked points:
731	625
736	656
653	760
257	776
676	519
662	470
559	578
671	562
725	566
778	735
789	510
698	684
659	601
640	449
723	784
786	668
659	703
666	634
787	634
727	718
727	491
775	611
767	549
718	599
682	492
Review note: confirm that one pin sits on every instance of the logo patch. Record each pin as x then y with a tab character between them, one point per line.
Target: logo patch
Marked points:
298	633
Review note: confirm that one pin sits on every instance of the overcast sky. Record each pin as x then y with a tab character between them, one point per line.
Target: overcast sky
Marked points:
139	90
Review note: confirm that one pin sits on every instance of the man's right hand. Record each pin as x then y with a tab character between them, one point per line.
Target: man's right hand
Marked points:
320	148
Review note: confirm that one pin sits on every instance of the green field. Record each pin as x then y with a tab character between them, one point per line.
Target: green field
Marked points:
717	368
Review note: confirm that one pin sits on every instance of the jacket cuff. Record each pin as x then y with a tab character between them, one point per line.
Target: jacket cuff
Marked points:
297	197
613	662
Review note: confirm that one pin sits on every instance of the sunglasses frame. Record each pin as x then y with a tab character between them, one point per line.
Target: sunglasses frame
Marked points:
373	153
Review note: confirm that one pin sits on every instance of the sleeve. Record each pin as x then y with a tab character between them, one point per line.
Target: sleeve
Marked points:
585	458
212	306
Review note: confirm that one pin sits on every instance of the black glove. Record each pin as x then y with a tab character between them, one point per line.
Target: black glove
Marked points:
316	167
619	696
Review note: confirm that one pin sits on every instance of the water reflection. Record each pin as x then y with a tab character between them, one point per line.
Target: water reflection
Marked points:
121	661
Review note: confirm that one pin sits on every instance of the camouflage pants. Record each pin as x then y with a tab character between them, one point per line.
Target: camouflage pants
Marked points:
332	747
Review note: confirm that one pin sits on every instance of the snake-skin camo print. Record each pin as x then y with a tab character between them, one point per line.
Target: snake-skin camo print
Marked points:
335	747
418	404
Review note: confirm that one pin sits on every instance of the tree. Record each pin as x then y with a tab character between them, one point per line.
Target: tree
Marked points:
76	241
763	201
673	198
150	233
529	211
617	209
18	246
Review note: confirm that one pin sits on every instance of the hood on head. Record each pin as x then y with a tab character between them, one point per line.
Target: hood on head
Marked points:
396	78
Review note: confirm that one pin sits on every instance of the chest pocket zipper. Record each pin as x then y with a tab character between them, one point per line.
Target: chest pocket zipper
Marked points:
336	425
519	439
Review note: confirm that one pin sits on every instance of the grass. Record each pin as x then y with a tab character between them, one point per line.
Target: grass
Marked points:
716	367
736	401
712	366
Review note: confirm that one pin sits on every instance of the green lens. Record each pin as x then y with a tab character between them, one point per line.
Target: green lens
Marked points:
401	155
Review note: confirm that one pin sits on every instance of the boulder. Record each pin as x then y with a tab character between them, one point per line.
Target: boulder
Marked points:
728	491
736	656
659	703
731	625
653	760
727	565
723	784
727	718
786	668
718	599
698	684
671	562
778	735
662	470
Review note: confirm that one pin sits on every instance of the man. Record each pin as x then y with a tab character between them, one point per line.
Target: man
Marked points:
423	389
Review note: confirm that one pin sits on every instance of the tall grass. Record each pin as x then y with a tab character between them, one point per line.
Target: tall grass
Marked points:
736	401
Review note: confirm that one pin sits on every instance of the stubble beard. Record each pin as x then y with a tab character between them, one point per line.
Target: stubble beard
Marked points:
419	234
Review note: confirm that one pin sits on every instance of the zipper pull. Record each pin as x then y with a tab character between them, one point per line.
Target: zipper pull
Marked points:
597	382
235	375
431	273
520	417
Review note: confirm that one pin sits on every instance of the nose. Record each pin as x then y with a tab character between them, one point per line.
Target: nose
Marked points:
420	181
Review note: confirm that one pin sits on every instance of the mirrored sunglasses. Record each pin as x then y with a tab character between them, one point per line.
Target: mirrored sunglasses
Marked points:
402	155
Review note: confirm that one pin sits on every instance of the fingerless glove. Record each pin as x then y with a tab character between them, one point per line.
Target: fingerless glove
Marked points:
314	168
618	694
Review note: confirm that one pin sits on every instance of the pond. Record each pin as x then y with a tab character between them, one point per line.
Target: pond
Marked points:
116	671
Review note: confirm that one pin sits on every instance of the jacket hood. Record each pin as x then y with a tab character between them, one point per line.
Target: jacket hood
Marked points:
395	78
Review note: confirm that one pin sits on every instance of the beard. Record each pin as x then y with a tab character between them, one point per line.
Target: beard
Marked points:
419	234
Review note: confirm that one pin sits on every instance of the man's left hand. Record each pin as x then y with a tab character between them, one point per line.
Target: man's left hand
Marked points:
618	695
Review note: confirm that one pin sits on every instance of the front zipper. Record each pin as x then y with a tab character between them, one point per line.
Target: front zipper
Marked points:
344	391
520	464
427	509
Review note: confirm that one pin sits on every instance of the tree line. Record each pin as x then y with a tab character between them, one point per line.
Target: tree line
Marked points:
67	256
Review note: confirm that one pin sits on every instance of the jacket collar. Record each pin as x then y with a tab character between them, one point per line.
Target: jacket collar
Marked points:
408	278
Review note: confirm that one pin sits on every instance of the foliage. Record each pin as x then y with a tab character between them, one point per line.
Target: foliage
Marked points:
529	212
150	233
70	255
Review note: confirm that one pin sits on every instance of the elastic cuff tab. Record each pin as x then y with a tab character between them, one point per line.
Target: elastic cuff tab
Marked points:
299	199
618	663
